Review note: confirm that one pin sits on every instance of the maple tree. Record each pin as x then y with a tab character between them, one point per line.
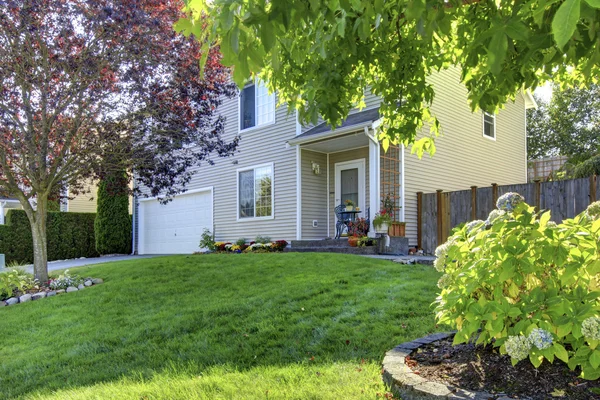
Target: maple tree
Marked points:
93	86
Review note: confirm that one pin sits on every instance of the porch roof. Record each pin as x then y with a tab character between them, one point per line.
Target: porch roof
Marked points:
357	119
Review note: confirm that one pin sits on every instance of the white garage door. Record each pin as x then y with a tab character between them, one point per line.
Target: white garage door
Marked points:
176	227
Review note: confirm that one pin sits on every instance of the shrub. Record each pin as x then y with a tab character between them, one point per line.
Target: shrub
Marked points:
207	240
587	168
15	280
262	239
279	245
530	285
70	235
65	280
113	224
241	242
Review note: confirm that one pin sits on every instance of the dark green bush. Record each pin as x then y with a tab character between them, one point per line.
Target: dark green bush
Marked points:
587	168
70	235
113	224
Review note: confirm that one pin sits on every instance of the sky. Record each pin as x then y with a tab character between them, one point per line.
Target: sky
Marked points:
545	92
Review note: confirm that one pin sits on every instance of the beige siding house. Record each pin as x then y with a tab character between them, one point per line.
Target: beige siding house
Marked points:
286	180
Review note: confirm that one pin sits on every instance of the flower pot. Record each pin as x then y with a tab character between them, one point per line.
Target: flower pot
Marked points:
383	228
349	208
397	229
353	241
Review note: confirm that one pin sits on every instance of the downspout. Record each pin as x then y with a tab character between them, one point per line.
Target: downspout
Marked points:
133	220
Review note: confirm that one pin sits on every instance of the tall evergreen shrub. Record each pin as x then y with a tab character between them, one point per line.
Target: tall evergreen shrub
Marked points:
113	225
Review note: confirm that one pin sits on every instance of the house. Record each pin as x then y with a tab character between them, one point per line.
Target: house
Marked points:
286	179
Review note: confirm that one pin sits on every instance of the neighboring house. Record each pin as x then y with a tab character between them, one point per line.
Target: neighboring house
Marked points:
84	202
287	179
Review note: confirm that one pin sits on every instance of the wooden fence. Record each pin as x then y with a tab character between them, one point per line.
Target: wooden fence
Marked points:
438	213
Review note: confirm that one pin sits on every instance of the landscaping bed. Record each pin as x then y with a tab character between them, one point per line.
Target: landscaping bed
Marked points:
483	369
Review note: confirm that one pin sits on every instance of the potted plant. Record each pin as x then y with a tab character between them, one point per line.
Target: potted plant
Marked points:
398	229
353	241
382	221
349	205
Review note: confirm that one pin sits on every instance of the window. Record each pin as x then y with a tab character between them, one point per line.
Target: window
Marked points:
489	125
255	192
257	106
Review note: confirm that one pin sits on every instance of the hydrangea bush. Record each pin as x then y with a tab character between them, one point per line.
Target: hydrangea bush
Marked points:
526	285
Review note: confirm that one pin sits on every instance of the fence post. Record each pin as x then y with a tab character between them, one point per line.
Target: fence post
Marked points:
419	220
538	195
593	182
473	203
494	194
440	216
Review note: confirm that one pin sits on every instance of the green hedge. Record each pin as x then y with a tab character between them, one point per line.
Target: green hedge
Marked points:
70	235
113	223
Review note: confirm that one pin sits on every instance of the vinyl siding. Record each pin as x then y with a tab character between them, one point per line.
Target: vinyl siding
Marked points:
349	155
464	157
314	195
85	202
259	145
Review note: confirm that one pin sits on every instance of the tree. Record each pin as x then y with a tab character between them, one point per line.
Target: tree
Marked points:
320	56
83	80
112	226
568	125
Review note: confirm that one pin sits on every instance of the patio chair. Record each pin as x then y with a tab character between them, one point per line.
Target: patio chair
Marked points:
340	222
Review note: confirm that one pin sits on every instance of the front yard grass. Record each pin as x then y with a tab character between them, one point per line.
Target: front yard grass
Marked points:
255	326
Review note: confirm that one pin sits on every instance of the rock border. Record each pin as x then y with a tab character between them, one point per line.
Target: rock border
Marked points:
88	282
410	386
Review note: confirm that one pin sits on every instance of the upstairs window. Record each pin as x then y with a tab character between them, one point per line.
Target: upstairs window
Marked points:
257	106
489	125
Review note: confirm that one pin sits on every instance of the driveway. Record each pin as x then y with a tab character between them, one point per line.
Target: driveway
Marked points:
81	262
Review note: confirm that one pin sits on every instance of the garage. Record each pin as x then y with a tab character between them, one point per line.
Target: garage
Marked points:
175	227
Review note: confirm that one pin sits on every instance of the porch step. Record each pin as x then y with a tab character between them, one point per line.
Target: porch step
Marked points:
371	250
329	243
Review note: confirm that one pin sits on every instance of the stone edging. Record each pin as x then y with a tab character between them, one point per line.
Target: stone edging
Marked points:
49	293
408	385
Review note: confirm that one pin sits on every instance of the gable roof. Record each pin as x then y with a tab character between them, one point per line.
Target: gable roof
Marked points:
358	119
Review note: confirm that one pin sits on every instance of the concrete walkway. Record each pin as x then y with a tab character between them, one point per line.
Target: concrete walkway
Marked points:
81	262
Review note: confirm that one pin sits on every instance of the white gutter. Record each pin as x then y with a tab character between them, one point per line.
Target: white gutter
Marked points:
329	134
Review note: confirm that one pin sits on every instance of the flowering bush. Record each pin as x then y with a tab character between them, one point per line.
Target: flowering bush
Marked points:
253	247
529	285
358	228
64	281
279	245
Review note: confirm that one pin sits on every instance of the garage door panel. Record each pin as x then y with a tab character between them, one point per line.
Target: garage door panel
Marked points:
176	227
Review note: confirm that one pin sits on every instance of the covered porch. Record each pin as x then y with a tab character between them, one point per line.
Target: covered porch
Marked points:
347	164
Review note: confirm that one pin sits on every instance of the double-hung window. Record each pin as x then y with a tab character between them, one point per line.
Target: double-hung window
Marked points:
255	192
257	106
489	125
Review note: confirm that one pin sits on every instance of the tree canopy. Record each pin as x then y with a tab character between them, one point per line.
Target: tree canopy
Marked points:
80	80
321	56
568	124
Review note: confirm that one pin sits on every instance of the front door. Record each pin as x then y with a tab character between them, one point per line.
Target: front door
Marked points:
350	183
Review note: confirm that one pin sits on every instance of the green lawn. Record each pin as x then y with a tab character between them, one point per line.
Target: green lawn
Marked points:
249	326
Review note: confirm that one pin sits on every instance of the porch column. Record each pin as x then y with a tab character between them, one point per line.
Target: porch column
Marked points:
374	182
298	193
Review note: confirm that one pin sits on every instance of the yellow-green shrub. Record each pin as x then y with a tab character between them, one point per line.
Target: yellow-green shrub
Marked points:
531	286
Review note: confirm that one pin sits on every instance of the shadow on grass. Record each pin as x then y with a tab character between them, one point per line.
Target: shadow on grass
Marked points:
186	316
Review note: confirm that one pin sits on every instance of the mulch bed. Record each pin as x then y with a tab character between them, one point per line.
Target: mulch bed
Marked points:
484	369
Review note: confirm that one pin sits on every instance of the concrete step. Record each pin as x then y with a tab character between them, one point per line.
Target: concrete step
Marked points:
343	250
329	243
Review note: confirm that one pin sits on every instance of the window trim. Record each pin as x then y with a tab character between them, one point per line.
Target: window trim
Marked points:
237	192
483	114
256	82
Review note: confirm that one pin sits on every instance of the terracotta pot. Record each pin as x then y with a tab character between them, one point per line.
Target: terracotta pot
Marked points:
353	241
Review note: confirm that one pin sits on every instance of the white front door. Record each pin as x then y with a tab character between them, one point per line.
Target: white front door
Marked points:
350	183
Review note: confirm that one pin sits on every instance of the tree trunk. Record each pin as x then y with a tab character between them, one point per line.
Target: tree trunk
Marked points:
40	242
